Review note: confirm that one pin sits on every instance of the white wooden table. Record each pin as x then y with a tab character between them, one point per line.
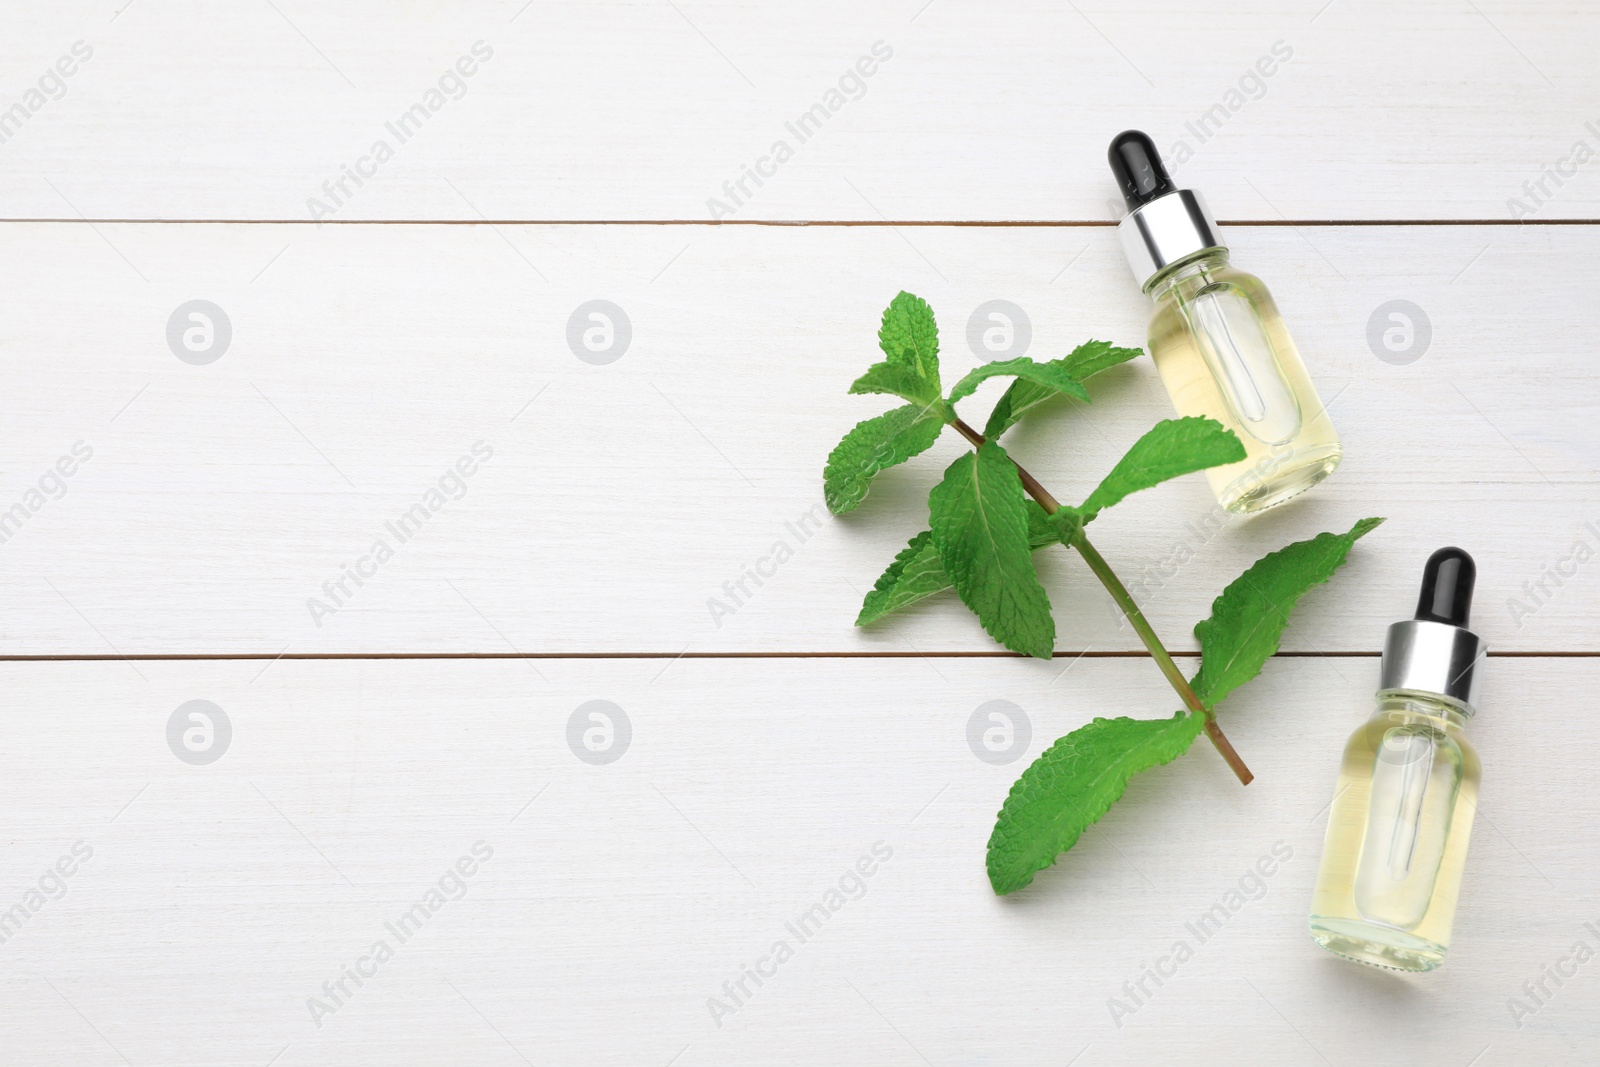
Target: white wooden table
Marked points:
1396	152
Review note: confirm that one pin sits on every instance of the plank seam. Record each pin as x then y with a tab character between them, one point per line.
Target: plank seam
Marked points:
156	657
824	223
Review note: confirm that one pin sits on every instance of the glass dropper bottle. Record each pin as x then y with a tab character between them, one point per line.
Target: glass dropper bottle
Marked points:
1218	342
1408	789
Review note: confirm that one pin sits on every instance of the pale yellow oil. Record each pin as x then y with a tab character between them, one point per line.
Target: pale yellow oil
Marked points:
1224	352
1397	835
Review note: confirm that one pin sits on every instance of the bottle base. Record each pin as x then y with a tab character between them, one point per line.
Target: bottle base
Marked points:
1278	478
1376	945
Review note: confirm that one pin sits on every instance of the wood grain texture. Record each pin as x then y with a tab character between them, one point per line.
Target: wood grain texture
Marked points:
589	509
620	499
1431	110
619	898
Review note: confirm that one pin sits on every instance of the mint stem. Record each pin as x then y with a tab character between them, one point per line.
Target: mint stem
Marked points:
1158	652
1119	593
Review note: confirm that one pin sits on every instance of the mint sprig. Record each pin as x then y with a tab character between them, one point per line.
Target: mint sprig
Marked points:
980	528
1171	448
1054	800
983	531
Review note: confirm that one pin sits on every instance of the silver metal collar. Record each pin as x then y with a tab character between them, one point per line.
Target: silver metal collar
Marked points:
1433	657
1169	228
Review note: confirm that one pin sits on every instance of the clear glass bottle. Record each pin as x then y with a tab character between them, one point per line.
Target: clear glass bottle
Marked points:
1401	817
1218	342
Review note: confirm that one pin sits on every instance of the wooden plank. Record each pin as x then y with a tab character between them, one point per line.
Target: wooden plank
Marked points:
365	362
608	110
619	898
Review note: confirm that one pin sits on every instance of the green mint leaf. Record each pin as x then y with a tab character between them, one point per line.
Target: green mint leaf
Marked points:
910	341
1040	532
1173	447
1065	524
980	527
1057	529
898	381
1248	618
891	438
917	572
1072	785
1050	376
910	338
1087	359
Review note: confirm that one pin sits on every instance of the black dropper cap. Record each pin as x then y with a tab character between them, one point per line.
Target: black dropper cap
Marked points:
1137	166
1447	582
